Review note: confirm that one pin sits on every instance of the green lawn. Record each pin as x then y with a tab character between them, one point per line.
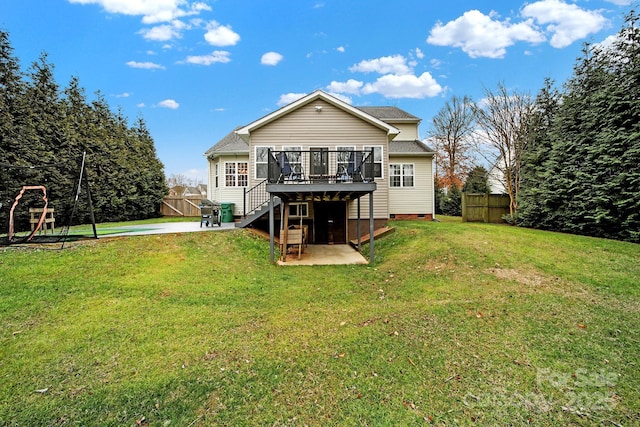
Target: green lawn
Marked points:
454	324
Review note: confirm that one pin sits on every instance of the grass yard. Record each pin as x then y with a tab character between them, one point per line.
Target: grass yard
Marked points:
454	324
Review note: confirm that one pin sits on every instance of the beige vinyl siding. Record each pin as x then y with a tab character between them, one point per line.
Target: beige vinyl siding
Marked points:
416	199
212	192
408	131
330	127
225	194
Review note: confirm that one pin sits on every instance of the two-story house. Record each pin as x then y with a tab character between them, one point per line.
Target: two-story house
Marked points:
317	158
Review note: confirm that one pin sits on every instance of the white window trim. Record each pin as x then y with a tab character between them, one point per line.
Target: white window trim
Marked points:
237	175
345	164
297	206
368	148
255	160
402	175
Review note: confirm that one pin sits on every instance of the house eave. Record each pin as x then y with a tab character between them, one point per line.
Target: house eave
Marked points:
216	154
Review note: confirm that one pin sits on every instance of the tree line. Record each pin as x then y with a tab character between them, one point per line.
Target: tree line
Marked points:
44	131
569	159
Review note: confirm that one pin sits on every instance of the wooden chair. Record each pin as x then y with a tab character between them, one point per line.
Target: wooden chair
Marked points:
49	219
294	237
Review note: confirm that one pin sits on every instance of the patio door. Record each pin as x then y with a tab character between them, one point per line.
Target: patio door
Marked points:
319	161
329	222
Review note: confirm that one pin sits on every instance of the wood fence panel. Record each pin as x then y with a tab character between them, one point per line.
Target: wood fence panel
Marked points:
180	206
484	207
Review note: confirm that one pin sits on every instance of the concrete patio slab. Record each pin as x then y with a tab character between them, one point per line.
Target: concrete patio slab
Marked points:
325	255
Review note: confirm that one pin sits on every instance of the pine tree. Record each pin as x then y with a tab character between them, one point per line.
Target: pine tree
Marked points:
536	197
589	182
477	181
12	113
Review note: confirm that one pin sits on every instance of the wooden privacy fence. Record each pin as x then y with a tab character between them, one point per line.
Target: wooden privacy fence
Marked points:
180	206
484	207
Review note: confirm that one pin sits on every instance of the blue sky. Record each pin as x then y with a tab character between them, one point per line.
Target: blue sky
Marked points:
197	69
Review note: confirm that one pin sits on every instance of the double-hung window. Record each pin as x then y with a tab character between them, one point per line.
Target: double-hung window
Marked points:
236	174
401	175
377	159
294	154
261	162
343	155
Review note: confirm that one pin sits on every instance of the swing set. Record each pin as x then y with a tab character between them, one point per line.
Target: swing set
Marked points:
41	217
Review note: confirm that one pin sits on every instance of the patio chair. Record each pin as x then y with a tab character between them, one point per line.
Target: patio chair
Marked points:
355	166
288	172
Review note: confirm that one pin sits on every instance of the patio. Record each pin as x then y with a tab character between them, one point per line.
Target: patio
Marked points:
326	255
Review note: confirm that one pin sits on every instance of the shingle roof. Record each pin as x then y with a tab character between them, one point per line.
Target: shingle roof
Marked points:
231	143
409	147
389	113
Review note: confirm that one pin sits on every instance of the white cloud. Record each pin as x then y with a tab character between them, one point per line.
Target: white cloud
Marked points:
340	49
152	11
419	53
145	65
351	86
169	103
566	22
160	33
271	58
480	35
123	95
606	44
217	56
396	64
220	35
288	98
141	105
404	86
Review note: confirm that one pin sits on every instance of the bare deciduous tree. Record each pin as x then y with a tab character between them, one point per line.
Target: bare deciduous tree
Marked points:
452	134
502	121
179	180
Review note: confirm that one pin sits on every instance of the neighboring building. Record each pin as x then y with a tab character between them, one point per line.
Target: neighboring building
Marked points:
320	156
495	178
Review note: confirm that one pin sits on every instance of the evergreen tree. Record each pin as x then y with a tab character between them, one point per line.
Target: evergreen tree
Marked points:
12	113
477	181
44	137
152	184
451	204
590	181
39	127
537	197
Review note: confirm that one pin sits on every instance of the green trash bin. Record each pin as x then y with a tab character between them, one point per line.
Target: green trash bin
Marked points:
227	212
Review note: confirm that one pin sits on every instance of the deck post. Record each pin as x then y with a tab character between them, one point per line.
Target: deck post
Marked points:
371	229
358	228
284	230
271	228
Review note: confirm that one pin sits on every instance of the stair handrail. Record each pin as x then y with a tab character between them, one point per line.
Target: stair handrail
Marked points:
255	198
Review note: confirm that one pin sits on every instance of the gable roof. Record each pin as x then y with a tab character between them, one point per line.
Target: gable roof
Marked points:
245	131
